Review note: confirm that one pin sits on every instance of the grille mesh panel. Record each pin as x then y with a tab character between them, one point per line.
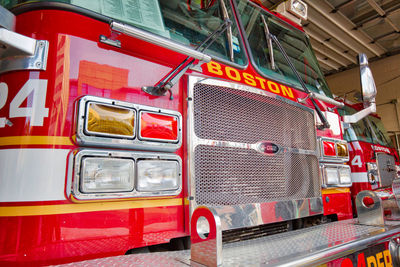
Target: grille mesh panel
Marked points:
387	167
230	176
233	115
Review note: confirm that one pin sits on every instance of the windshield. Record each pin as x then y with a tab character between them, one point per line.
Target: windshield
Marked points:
369	130
381	135
185	21
294	41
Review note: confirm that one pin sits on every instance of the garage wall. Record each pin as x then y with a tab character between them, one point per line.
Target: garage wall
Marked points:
387	79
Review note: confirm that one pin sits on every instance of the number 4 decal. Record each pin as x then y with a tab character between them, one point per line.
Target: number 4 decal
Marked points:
357	161
37	111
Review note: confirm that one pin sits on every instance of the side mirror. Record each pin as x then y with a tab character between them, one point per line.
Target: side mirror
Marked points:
368	91
367	81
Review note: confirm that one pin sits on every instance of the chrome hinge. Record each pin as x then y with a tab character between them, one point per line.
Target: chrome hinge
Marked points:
19	52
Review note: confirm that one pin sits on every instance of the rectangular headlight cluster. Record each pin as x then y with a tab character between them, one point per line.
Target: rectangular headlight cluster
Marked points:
336	175
110	123
101	174
334	149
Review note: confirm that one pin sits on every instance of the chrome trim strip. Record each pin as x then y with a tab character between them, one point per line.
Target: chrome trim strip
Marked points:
157	40
197	141
84	139
135	156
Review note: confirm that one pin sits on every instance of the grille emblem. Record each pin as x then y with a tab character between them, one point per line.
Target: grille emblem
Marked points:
268	148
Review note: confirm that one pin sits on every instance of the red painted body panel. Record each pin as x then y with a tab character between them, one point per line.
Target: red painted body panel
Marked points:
78	65
339	204
51	239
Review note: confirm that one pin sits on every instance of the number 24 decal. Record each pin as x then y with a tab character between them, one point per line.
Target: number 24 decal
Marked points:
37	111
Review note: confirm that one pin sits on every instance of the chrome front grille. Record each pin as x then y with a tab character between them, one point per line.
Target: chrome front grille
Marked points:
386	168
227	167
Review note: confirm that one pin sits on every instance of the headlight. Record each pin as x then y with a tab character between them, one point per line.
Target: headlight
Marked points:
157	175
106	175
332	176
336	175
345	175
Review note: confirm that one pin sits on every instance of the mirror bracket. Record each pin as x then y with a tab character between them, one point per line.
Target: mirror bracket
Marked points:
360	115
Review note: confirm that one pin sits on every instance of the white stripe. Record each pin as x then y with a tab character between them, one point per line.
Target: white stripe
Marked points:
359	177
32	174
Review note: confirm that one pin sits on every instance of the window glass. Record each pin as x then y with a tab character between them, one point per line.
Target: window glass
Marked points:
369	129
294	41
188	22
381	135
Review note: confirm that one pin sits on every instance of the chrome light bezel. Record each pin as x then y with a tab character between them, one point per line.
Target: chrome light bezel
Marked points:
325	184
86	138
77	157
336	157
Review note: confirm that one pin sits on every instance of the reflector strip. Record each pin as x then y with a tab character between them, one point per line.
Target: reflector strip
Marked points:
87	207
35	140
335	191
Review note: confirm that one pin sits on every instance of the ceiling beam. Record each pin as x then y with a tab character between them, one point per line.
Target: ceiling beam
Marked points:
342	22
329	44
334	32
322	58
383	14
330	54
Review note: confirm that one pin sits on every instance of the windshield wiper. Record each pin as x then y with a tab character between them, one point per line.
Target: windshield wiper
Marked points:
175	74
269	43
325	123
228	30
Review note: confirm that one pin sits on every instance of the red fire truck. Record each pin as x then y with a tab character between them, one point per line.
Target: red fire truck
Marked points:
373	158
128	126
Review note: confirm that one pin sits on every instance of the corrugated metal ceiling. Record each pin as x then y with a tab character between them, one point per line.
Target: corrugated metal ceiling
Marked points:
340	29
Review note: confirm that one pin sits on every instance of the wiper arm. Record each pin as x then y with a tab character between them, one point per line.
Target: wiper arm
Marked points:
325	123
175	74
228	30
269	43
